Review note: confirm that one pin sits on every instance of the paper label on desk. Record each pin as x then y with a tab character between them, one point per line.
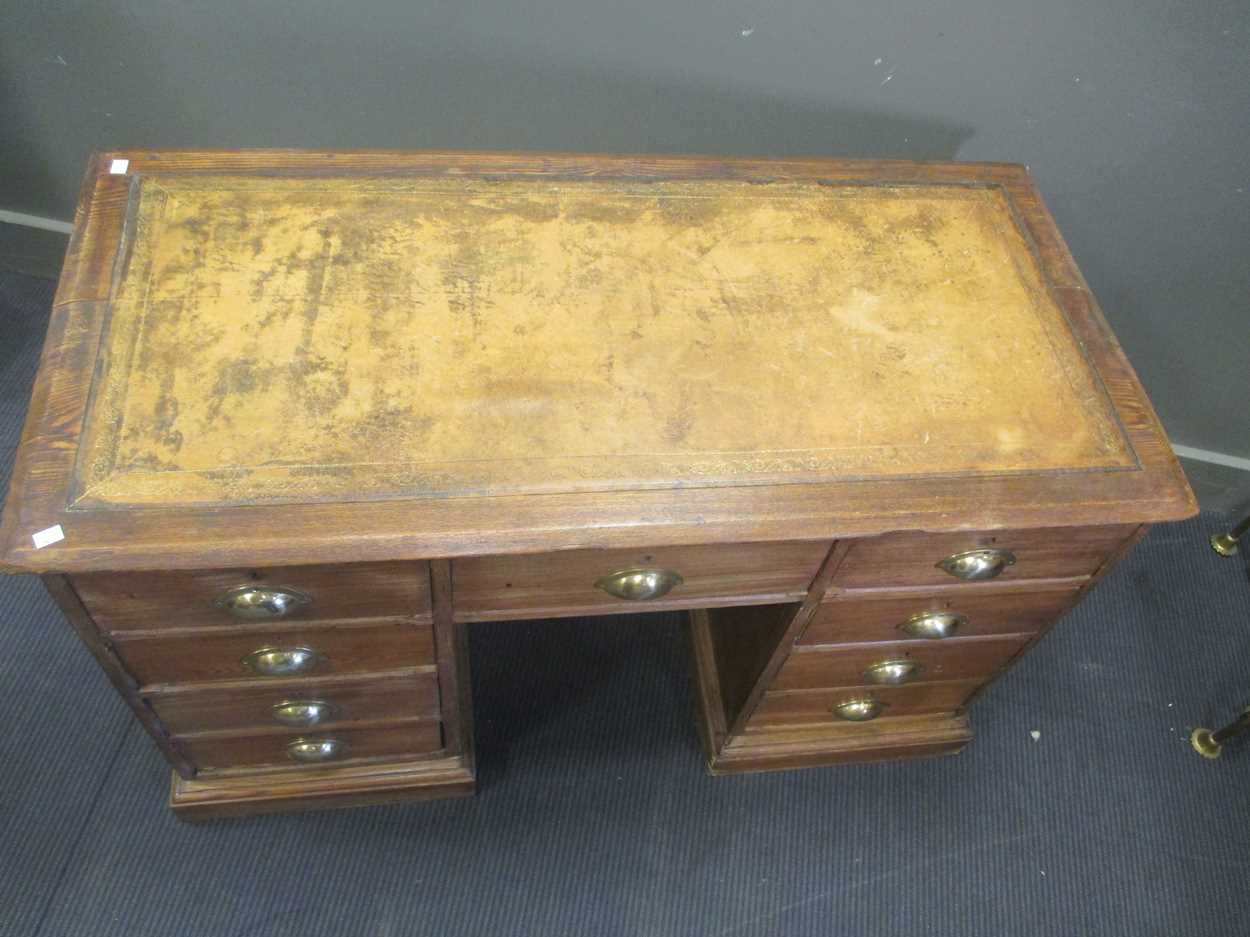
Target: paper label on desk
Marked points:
48	536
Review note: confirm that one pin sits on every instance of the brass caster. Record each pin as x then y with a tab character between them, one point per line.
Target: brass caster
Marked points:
1224	544
1204	744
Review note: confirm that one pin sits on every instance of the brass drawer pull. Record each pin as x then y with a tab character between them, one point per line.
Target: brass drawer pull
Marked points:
254	602
978	564
858	710
892	672
282	661
638	585
315	751
304	712
934	624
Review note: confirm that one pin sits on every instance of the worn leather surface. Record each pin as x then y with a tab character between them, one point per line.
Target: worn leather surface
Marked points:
288	338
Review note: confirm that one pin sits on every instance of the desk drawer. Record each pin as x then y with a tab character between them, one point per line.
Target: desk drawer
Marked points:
298	705
819	707
913	662
566	583
970	612
222	752
911	559
179	657
200	598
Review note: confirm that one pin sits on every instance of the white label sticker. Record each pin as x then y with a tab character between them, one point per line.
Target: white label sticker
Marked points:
119	166
47	537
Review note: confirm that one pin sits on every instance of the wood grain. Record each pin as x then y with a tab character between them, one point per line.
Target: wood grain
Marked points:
564	583
879	617
709	703
799	707
781	650
124	683
910	559
455	687
236	707
743	641
216	752
169	656
844	665
187	598
785	748
1132	537
215	796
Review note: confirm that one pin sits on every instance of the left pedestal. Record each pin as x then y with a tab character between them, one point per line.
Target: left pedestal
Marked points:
288	688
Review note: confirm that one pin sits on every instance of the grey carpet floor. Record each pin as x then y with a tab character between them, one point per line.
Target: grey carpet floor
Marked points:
595	816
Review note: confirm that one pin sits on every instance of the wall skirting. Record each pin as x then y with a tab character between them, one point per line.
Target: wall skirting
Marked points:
1214	458
35	221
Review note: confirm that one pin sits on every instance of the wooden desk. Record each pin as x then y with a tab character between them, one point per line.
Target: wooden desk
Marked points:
304	417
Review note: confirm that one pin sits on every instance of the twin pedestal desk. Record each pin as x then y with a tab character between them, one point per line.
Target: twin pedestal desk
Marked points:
303	418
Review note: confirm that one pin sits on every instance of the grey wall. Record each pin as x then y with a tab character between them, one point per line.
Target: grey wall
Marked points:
1133	114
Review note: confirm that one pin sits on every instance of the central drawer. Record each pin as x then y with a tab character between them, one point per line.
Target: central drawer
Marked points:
596	581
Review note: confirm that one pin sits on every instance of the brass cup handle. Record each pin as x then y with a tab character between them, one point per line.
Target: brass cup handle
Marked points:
304	712
977	564
859	710
892	672
638	585
258	603
934	624
282	661
315	751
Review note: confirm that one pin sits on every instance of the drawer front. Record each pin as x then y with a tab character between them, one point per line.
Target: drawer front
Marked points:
897	662
201	598
298	704
974	614
500	586
224	655
321	748
911	559
819	707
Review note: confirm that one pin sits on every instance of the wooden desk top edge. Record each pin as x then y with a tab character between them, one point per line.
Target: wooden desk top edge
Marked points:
345	531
